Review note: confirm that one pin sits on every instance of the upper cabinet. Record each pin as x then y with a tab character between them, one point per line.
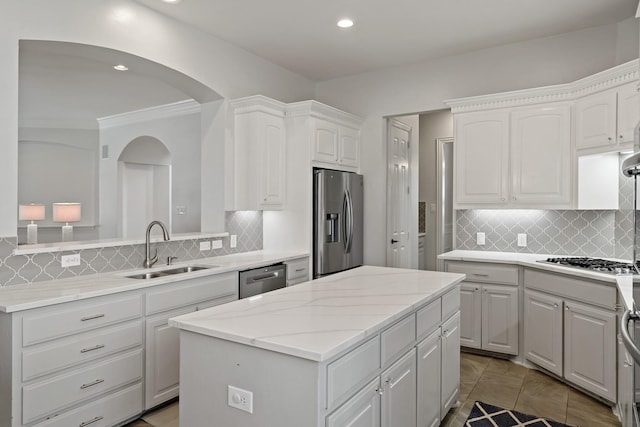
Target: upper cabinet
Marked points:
517	149
255	168
514	158
334	134
605	121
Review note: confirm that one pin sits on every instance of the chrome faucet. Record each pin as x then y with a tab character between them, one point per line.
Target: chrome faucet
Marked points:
149	261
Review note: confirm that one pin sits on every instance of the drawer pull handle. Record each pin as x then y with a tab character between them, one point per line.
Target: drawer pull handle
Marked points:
91	384
95	420
95	316
298	270
95	347
480	274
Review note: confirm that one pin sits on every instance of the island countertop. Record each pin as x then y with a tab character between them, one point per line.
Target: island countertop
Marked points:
318	320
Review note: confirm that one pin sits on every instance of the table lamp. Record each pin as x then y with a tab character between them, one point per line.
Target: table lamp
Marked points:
31	212
66	212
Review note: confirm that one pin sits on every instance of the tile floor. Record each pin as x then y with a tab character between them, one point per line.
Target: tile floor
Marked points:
494	381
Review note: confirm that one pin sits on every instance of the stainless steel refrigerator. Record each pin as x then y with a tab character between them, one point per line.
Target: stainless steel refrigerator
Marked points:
337	221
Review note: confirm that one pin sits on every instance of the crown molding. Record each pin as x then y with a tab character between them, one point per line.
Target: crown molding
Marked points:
322	111
259	103
611	78
58	124
175	109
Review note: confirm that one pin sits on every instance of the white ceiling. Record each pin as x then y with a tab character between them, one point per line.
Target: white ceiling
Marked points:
302	35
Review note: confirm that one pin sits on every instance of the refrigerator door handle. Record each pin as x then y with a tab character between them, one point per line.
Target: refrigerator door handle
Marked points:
349	220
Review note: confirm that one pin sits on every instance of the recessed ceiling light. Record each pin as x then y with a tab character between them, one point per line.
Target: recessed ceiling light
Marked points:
345	23
121	67
172	1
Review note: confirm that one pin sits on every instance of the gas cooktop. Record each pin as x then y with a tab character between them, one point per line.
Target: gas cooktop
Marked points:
593	264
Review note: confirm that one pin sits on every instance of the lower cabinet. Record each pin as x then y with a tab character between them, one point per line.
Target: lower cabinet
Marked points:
419	388
489	317
572	339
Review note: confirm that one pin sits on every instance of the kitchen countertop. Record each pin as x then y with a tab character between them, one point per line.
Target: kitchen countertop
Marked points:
623	282
319	319
41	294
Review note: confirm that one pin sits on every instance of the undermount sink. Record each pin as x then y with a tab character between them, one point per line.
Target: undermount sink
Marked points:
170	271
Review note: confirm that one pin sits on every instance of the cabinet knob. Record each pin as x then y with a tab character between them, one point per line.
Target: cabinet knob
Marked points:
610	139
621	137
555	305
389	380
567	308
503	199
380	391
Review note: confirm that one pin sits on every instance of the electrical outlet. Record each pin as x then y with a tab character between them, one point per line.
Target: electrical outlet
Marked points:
217	244
522	240
233	241
480	238
182	210
69	260
240	399
205	246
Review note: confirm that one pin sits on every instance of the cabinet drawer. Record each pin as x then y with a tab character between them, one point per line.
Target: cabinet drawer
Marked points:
600	294
428	318
297	268
485	272
55	321
349	373
191	291
297	281
105	412
397	339
46	397
80	349
450	302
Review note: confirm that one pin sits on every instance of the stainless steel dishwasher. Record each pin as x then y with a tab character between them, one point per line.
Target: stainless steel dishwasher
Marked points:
261	280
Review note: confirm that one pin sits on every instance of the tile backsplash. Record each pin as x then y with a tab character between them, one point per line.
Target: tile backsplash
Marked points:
23	269
563	232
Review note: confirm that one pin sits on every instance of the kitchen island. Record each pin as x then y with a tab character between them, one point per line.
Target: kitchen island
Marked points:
372	345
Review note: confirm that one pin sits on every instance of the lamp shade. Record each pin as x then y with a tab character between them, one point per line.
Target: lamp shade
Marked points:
31	212
66	212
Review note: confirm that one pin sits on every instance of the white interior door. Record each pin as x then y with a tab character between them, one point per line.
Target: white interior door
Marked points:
444	202
398	195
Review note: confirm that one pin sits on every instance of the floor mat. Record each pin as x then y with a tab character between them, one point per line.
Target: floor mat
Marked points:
485	415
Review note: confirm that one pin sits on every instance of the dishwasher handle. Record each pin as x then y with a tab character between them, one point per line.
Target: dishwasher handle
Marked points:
263	277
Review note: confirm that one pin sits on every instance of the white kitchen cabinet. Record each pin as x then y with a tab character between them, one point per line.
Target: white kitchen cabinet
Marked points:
399	392
429	380
570	329
540	163
362	410
514	157
450	377
489	306
543	330
335	144
592	367
481	153
255	157
297	271
605	121
162	356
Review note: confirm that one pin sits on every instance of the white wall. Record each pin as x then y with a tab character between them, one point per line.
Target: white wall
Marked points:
424	87
133	28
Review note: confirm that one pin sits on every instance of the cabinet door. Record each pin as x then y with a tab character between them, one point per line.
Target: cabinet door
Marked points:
625	385
450	376
429	362
325	141
543	330
596	120
271	179
628	112
590	363
349	147
470	315
541	155
399	396
362	410
481	158
500	318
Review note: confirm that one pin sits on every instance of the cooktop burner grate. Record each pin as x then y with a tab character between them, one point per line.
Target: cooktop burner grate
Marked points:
593	264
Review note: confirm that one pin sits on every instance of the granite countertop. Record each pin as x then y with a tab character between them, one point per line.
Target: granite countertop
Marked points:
623	282
41	294
318	320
